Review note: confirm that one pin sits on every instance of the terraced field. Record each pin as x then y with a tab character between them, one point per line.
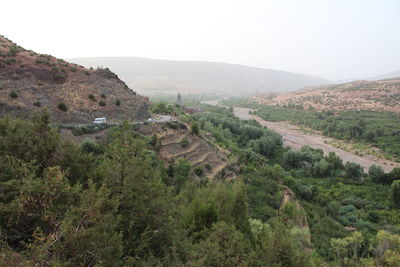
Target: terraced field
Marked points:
181	143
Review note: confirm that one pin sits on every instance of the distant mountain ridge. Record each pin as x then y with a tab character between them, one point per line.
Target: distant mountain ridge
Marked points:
167	76
390	75
73	94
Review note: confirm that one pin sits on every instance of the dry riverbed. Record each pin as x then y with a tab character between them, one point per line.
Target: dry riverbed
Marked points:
295	138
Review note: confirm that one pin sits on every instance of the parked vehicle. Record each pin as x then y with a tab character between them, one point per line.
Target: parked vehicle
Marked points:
100	120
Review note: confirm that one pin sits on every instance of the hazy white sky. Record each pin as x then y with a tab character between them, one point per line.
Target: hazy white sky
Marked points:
335	39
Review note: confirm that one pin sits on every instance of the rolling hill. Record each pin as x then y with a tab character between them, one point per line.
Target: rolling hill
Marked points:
382	95
73	94
151	76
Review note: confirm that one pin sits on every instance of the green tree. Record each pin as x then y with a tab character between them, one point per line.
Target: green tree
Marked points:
348	247
376	174
144	199
41	204
283	250
395	193
195	128
393	175
387	249
30	141
354	171
178	173
223	247
335	161
62	107
233	207
89	230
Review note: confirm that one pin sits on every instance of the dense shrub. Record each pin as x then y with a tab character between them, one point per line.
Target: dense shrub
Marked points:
185	143
13	51
161	108
199	171
376	174
62	107
195	129
393	175
312	162
353	170
13	94
395	193
92	97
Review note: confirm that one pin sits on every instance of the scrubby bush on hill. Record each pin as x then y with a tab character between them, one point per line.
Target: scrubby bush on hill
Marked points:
13	94
92	97
185	143
62	107
199	171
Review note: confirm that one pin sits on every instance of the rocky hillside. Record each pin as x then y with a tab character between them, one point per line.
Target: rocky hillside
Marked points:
383	95
30	81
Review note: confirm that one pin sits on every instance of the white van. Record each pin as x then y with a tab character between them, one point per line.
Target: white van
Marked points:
100	120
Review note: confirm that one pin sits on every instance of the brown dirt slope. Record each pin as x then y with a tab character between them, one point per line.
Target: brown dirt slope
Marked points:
30	81
199	152
383	95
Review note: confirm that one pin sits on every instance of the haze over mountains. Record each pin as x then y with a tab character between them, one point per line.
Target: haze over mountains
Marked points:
390	75
151	76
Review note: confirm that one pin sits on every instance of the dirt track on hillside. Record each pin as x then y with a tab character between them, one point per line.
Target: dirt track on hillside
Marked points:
294	138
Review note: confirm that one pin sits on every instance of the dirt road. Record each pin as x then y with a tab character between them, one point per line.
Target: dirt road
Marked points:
294	138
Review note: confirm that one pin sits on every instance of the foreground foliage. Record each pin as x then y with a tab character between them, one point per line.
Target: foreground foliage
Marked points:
115	204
